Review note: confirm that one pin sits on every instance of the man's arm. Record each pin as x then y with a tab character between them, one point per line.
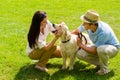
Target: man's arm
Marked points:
75	31
91	50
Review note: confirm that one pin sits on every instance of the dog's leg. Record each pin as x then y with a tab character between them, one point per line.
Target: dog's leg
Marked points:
72	59
64	62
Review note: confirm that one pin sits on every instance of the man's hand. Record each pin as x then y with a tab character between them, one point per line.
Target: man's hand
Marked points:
79	41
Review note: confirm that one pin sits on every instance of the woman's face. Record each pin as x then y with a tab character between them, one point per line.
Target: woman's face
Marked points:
44	22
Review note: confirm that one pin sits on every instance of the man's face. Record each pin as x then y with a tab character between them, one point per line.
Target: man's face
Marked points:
86	25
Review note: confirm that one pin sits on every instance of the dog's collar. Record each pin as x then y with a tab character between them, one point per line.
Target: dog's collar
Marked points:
65	41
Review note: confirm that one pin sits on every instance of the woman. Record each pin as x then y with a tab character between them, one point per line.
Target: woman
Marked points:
37	49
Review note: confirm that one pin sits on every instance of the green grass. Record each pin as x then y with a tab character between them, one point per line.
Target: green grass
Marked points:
15	19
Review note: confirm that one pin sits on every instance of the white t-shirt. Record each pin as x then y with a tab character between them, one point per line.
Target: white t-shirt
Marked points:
42	37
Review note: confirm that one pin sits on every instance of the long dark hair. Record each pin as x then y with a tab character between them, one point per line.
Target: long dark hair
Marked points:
34	30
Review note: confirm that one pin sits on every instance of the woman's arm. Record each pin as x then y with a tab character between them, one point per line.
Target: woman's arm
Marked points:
57	35
50	44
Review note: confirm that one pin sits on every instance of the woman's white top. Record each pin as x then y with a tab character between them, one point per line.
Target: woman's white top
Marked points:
42	37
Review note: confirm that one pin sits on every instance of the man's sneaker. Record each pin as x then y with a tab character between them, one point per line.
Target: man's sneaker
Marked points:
102	72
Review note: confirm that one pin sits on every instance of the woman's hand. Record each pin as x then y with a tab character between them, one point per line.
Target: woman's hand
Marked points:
58	33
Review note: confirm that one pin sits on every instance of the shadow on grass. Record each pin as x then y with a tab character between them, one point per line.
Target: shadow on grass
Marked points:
30	73
80	72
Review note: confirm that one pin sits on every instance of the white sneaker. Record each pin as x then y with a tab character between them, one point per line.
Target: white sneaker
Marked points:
41	68
102	71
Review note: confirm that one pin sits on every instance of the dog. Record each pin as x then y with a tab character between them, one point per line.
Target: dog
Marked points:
68	45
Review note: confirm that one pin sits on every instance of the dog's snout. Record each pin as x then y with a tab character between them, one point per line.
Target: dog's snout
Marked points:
54	31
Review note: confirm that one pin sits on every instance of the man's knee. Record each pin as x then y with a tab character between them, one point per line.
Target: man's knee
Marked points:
80	54
100	49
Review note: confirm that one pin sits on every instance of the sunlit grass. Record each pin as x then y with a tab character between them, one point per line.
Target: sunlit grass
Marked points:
15	19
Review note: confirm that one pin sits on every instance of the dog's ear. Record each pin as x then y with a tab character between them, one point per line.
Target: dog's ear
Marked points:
53	25
62	22
64	25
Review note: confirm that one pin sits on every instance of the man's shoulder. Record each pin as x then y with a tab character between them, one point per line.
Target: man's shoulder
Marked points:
104	24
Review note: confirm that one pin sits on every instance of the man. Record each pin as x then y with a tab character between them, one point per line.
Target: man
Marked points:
105	46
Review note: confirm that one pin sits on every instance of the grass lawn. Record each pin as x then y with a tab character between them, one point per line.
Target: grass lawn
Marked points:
15	19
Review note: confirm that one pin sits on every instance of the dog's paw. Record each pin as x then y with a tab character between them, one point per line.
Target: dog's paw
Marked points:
70	68
64	67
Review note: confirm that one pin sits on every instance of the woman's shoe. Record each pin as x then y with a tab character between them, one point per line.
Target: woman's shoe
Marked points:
41	68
